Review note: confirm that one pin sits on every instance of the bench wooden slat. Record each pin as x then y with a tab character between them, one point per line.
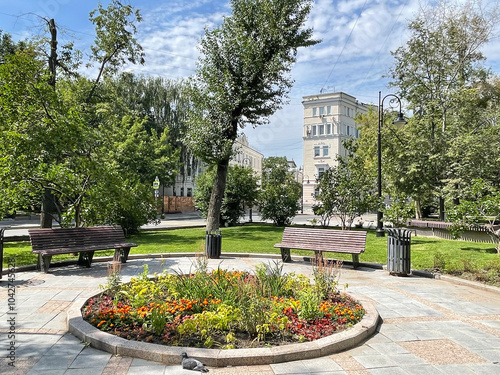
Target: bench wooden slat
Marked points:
84	240
320	240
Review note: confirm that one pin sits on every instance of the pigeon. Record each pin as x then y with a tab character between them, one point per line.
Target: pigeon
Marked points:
192	364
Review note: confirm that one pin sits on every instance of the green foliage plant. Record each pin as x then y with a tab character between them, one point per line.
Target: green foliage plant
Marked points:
448	120
271	279
326	275
279	199
309	304
346	190
399	210
266	305
159	318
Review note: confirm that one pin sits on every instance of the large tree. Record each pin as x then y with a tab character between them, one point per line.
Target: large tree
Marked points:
440	62
165	104
63	136
243	77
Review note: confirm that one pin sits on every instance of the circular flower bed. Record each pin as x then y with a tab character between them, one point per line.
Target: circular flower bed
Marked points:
225	309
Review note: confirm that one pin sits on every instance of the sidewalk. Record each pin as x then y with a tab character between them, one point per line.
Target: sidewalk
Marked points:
429	326
19	228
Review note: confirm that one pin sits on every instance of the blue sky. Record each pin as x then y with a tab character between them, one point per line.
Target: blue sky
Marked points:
357	37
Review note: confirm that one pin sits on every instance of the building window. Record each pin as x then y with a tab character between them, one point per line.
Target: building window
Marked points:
325	150
320	173
328	109
314	130
321	111
316	150
321	129
314	111
189	192
182	191
328	128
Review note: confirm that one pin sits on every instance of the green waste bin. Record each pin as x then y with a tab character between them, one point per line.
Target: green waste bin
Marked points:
398	251
213	243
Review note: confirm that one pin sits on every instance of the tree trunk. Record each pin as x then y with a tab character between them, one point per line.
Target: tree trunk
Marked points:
53	52
418	210
48	203
214	208
441	209
48	209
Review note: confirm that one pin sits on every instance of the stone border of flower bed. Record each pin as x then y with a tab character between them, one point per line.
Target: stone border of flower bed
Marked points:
337	342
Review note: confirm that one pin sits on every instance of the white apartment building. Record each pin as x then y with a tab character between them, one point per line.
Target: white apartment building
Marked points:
328	121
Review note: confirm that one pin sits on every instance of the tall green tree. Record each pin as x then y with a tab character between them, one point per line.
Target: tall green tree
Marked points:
242	79
280	194
441	60
164	104
346	190
62	135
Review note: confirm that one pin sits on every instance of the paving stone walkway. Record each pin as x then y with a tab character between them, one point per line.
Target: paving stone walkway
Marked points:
429	326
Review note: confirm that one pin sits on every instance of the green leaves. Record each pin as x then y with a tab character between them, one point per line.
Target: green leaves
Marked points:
67	137
242	79
115	43
243	71
279	199
441	76
346	190
240	192
480	207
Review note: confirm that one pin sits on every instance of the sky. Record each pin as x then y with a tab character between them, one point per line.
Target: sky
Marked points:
354	56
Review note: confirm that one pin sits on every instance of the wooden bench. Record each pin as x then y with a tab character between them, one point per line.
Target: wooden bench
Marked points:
321	240
83	240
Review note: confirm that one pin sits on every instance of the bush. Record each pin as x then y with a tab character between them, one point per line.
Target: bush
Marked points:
280	195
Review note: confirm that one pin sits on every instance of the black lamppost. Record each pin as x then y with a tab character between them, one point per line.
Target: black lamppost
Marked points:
398	121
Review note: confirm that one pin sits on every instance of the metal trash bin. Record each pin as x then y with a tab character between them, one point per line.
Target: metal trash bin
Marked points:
398	251
213	243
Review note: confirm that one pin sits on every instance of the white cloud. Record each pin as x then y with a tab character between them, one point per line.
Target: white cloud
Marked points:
170	36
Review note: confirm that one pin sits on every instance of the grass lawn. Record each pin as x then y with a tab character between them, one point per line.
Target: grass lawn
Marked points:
426	253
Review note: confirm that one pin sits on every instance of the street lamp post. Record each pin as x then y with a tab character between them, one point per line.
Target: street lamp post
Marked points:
399	121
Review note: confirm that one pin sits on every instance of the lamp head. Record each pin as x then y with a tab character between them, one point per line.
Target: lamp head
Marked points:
400	120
